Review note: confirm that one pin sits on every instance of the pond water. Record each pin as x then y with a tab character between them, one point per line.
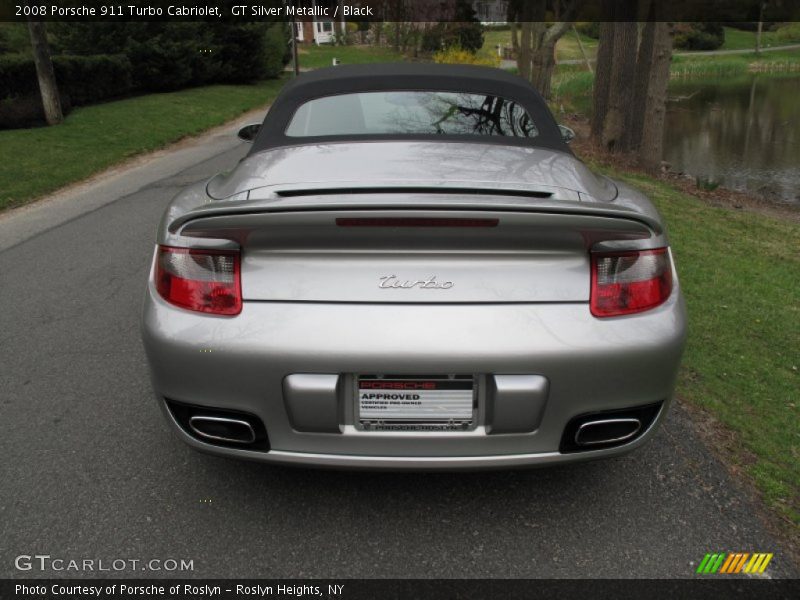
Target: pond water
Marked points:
742	134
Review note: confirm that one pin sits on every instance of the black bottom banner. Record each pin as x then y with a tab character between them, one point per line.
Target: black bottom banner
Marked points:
440	589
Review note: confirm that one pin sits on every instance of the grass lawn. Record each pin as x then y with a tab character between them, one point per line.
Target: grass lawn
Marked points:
739	273
314	57
736	64
736	39
572	84
566	48
34	162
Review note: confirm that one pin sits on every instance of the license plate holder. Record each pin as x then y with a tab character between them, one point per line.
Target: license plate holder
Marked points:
415	403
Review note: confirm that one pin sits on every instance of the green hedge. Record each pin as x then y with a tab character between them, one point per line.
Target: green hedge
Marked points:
81	80
89	79
97	61
168	56
84	79
699	36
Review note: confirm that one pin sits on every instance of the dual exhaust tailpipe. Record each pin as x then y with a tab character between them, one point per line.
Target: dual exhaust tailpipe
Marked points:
222	429
238	431
586	432
607	431
608	428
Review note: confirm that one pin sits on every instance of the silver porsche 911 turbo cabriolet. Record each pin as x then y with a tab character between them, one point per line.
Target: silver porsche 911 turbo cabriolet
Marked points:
410	269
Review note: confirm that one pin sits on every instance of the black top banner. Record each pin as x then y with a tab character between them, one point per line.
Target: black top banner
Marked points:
398	10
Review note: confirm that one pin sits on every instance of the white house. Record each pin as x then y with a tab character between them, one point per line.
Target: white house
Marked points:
491	12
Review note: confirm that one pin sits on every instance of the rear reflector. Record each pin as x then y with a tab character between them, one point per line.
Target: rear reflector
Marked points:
202	280
414	222
629	282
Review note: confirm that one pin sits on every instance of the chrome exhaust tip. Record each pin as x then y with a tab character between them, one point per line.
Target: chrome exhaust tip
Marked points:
608	428
607	431
222	429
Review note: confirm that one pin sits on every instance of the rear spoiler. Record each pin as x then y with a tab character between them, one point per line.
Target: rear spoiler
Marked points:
498	201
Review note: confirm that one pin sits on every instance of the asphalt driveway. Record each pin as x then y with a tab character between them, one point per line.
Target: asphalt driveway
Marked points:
90	470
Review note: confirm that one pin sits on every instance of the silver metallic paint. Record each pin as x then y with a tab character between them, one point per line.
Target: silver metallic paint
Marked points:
508	315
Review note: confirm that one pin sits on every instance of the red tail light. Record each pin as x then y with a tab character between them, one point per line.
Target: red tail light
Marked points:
629	282
202	280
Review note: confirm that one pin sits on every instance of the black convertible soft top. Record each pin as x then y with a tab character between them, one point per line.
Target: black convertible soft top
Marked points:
407	76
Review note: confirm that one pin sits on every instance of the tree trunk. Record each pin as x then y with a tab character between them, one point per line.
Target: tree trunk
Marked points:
644	62
544	57
543	64
651	147
514	38
602	79
377	29
45	74
531	16
524	51
512	16
623	67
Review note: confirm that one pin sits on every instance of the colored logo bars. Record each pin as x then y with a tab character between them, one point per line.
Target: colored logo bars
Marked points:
734	562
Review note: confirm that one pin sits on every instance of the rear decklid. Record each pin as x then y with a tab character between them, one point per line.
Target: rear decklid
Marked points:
384	164
414	222
429	255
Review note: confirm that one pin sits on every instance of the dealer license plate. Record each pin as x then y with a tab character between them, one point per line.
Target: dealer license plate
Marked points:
415	403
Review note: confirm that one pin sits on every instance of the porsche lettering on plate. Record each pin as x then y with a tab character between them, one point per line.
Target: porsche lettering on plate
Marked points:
394	402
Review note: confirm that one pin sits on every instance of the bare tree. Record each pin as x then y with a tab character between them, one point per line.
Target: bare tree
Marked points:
602	78
511	17
544	55
641	82
44	72
630	90
529	13
651	145
536	58
620	89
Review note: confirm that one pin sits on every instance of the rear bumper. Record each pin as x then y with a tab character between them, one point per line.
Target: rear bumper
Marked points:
411	463
241	363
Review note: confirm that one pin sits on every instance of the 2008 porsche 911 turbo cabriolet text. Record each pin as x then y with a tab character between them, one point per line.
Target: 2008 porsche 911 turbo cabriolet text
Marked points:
410	269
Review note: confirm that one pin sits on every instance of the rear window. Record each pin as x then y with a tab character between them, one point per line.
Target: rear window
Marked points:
411	113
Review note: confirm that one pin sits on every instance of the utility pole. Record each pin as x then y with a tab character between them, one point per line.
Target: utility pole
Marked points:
44	72
583	50
295	62
761	8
